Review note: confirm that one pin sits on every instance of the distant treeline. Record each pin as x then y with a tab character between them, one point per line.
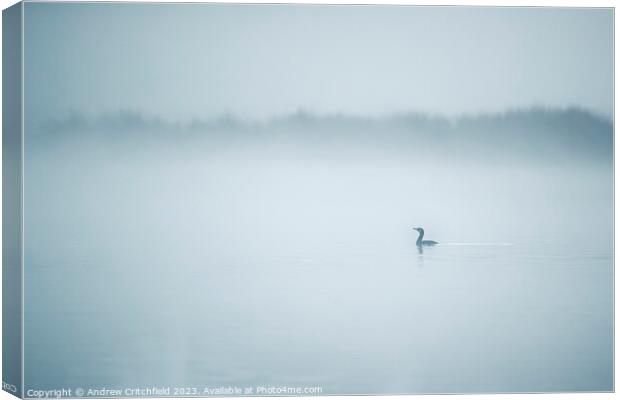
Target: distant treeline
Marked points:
534	132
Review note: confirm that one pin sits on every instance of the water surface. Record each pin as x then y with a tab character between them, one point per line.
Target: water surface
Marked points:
264	267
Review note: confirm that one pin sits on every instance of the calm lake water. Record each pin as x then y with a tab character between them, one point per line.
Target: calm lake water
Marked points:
261	271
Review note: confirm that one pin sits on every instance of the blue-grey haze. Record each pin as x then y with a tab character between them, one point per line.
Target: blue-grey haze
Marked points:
186	225
187	61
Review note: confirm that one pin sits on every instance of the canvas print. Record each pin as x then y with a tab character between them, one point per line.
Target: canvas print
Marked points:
307	200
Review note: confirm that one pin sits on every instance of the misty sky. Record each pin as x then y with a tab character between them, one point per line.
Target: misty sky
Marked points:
183	61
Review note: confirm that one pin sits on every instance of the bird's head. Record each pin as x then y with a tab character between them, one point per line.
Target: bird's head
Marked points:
418	229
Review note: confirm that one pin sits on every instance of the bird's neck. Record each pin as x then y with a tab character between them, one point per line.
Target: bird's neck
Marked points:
419	241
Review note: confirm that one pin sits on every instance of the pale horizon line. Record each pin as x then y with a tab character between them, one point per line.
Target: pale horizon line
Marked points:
144	117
